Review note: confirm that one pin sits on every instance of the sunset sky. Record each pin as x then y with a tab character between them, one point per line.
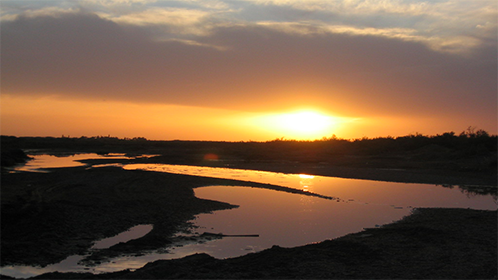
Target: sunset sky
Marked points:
247	69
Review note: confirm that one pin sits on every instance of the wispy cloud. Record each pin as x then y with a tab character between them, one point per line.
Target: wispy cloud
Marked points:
157	16
452	26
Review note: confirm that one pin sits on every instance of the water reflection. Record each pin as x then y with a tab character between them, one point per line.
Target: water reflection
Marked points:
40	163
133	233
284	219
396	195
71	263
475	190
290	220
306	182
280	218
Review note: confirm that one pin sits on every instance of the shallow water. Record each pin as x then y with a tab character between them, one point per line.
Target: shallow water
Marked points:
281	218
391	194
289	220
41	163
70	264
133	233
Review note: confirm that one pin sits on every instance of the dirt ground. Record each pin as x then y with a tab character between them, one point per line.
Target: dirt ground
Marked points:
46	217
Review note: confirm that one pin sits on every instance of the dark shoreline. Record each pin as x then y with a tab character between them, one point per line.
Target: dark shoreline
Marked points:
53	210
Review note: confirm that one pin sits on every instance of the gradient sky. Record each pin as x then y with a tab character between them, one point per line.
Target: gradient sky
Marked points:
231	70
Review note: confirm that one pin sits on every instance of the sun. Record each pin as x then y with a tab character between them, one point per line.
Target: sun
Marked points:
299	125
305	122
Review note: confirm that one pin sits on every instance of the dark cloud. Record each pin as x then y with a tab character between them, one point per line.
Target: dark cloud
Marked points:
83	56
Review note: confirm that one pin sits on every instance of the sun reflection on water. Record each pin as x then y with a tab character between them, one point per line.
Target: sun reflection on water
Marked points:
306	182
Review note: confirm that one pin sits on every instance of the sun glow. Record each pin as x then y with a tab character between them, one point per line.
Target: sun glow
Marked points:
306	124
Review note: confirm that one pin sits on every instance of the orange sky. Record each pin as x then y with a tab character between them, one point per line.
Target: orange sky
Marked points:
228	70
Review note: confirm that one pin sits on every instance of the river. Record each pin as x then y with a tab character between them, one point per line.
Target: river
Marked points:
277	218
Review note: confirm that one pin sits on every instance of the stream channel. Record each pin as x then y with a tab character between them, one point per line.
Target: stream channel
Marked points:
277	218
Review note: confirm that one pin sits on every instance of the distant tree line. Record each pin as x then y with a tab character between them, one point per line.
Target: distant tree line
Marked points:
469	142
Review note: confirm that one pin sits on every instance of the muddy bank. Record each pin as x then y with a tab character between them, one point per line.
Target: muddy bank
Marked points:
12	156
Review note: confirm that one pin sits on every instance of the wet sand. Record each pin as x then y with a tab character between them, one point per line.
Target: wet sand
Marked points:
49	216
